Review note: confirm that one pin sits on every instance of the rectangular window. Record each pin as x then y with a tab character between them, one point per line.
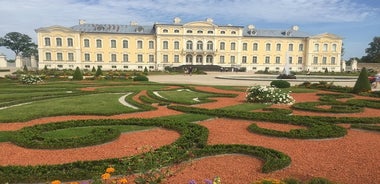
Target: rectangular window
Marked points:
140	58
165	45
325	47
98	43
299	60
125	58
70	56
254	59
59	57
278	47
278	60
244	59
333	60
245	46
176	58
222	46
86	43
87	57
290	60
48	56
290	47
151	45
324	60
99	57
70	42
151	58
139	44
165	58
176	45
59	42
333	47
113	43
267	59
316	47
232	59
315	60
125	44
255	46
233	46
300	47
47	41
113	57
221	59
267	47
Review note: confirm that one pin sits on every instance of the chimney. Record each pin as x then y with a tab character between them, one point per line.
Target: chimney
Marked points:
81	21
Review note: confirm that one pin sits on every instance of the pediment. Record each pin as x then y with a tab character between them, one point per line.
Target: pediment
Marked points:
200	24
55	29
327	35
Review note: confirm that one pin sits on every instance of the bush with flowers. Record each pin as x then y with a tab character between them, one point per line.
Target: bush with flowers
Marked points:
268	94
30	79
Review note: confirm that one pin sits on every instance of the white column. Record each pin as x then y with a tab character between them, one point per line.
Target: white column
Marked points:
3	61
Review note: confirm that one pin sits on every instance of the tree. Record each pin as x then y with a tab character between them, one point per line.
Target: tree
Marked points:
19	43
98	72
362	83
77	74
373	51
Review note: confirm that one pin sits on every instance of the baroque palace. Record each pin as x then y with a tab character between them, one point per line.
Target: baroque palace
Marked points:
134	47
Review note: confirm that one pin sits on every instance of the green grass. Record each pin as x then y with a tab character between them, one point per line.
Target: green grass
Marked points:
246	107
185	96
5	135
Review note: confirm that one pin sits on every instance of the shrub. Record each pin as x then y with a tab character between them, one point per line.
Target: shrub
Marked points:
265	94
98	72
280	84
77	74
140	78
30	79
362	83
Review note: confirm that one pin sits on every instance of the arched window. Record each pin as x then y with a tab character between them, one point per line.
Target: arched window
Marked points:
189	31
165	31
267	47
222	32
199	45
199	59
189	58
176	31
210	45
199	31
210	32
47	41
233	32
165	45
222	46
189	45
86	43
125	44
209	59
278	47
70	42
255	46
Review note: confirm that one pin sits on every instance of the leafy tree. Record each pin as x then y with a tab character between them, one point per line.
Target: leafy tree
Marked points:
77	74
19	43
362	83
373	52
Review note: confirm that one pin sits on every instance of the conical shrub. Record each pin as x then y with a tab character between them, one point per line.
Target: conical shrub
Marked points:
362	83
77	74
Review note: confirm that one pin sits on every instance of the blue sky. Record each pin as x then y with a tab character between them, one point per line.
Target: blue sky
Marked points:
357	21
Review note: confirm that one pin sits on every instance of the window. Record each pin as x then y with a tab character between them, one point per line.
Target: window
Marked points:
199	59
59	57
70	42
125	58
316	47
189	45
59	42
48	56
290	47
199	45
209	59
113	57
233	32
267	59
267	47
176	31
333	60
140	58
221	59
333	47
165	58
113	66
70	56
210	45
232	59
222	46
86	43
245	46
299	60
324	60
125	44
300	47
151	58
47	41
254	59
244	59
189	58
255	46
151	44
210	32
87	66
199	31
278	60
176	45
325	47
87	57
99	57
233	46
113	43
189	31
165	31
315	60
98	43
176	58
290	60
165	45
222	32
278	47
139	44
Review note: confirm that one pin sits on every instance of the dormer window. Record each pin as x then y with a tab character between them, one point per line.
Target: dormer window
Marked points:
222	32
189	31
210	32
176	31
233	32
165	31
199	31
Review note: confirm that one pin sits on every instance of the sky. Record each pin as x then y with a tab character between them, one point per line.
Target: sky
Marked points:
356	21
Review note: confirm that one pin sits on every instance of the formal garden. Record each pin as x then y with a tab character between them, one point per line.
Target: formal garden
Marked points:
121	128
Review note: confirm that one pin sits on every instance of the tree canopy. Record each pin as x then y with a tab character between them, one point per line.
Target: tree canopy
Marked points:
19	43
373	52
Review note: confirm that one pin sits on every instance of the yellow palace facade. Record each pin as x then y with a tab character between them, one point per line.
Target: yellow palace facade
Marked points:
134	47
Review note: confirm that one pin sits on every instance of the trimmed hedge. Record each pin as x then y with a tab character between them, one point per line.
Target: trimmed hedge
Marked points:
280	84
336	107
